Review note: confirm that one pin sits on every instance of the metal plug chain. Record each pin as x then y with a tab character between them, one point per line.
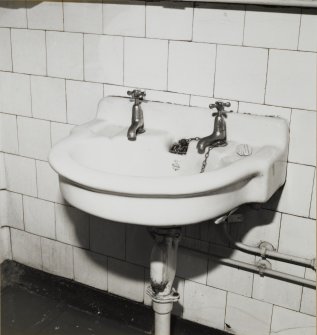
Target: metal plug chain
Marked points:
181	147
204	164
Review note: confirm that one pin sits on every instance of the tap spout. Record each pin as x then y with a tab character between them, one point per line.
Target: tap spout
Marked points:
135	128
217	138
137	122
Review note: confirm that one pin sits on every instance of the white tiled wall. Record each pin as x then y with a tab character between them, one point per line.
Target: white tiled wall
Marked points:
59	58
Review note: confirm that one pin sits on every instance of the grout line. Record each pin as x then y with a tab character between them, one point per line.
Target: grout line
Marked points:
11	51
168	64
271	319
312	192
299	28
156	90
226	305
23	214
266	75
123	60
193	20
244	20
170	39
63	14
215	65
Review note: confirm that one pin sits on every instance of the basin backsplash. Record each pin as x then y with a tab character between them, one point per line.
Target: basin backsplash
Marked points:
58	59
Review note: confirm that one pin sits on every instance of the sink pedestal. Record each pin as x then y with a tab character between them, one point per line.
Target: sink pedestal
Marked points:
162	274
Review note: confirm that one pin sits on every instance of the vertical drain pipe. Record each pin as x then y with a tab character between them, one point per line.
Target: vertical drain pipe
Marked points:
162	275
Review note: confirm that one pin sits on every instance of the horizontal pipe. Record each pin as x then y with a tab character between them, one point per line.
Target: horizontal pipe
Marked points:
257	269
263	252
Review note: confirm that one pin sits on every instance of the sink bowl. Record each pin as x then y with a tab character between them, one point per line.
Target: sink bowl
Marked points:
141	182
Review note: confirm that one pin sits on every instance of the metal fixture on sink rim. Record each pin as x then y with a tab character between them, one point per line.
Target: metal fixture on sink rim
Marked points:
137	123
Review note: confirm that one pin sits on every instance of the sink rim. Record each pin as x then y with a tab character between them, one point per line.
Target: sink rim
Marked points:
161	186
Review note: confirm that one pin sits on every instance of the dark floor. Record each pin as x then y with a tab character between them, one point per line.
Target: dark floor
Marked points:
27	313
36	303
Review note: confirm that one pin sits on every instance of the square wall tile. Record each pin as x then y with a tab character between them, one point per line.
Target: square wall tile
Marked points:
5	244
168	97
191	266
307	40
145	63
65	55
5	55
13	210
308	304
57	258
169	20
48	183
39	217
291	80
312	211
119	91
139	245
83	16
102	235
241	73
15	93
82	101
48	98
272	27
125	280
90	269
26	248
21	174
60	131
218	23
125	18
265	110
191	68
46	15
258	225
13	14
204	305
72	226
9	133
294	198
226	277
298	236
34	137
104	59
28	51
288	322
276	291
302	146
248	316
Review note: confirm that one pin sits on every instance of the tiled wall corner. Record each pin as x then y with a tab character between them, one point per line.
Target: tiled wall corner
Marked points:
26	248
5	244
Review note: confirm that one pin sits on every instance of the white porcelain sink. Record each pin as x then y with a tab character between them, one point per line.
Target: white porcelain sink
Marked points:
141	182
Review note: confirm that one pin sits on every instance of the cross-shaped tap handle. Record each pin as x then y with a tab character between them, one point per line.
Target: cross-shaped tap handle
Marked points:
220	106
137	94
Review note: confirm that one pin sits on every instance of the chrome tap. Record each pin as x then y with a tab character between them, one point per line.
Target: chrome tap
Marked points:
219	136
137	124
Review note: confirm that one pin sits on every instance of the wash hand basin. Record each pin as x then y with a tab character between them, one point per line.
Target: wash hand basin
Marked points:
141	182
